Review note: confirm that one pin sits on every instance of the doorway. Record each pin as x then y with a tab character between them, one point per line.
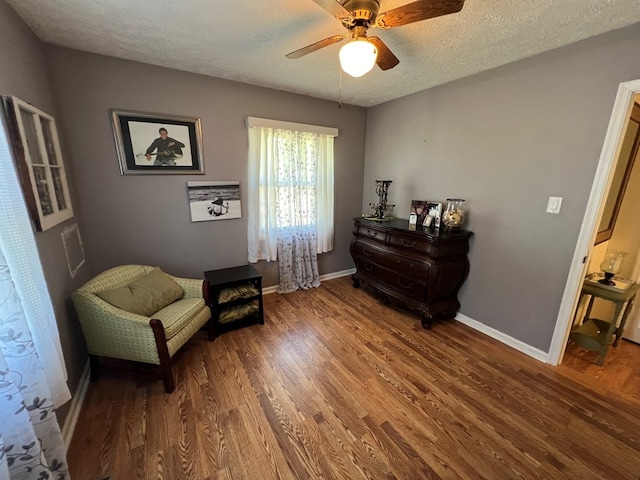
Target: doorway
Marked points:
595	207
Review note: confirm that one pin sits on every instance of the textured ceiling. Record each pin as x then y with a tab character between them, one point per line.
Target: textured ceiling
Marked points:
246	40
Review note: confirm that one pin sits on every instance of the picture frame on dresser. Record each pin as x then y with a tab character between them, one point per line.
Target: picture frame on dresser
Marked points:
155	143
420	209
435	209
425	208
42	173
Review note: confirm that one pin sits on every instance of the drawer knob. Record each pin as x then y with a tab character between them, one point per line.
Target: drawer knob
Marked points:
366	252
407	244
368	267
405	284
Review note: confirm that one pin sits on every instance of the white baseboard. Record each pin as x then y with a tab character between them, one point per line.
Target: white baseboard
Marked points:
78	399
470	322
328	276
76	406
501	337
342	273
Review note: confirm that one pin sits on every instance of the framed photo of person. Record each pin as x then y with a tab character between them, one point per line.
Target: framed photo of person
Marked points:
435	211
420	208
149	143
427	213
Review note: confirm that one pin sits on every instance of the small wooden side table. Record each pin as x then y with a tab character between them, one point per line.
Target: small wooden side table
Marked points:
595	334
232	277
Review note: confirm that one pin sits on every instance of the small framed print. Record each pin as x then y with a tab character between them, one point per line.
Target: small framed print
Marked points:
214	200
434	210
149	143
420	208
423	209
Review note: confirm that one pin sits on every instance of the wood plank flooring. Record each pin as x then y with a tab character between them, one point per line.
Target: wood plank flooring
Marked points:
336	385
620	372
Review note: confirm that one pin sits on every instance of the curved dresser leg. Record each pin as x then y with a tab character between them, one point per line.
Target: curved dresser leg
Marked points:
356	281
427	322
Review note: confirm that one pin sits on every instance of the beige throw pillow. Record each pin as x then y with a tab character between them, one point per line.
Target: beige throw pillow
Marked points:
146	295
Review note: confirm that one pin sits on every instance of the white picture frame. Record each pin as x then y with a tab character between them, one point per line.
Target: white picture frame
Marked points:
37	154
434	210
73	249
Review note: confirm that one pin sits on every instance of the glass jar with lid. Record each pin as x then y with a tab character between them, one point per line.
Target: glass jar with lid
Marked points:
455	213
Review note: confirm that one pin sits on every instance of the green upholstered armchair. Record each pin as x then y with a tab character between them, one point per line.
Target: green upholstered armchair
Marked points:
142	337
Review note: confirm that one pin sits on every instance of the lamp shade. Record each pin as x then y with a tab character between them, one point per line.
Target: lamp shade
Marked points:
358	57
612	261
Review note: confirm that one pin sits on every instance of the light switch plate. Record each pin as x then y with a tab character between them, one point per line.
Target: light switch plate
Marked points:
554	205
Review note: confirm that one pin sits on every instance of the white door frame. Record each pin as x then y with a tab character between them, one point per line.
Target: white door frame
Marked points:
595	206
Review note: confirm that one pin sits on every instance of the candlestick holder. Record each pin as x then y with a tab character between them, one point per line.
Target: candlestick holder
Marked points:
382	207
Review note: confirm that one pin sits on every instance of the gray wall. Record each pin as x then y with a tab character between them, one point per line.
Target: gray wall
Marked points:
145	218
506	140
23	74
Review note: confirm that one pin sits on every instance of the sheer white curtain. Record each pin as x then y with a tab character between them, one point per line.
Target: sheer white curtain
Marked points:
290	201
32	371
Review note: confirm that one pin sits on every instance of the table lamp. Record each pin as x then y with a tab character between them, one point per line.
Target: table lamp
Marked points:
611	265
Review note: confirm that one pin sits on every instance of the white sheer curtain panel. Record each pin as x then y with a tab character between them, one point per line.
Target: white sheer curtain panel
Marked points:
290	202
325	188
261	214
32	371
19	247
31	444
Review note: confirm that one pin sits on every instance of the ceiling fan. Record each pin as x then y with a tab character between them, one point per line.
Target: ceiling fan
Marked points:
358	56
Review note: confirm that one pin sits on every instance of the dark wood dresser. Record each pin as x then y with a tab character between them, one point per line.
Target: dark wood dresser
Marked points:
421	269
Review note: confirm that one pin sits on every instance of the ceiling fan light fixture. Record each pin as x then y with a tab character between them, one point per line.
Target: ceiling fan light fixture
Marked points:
358	57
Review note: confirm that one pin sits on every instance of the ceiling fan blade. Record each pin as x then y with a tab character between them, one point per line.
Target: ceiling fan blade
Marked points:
334	8
316	46
417	11
386	59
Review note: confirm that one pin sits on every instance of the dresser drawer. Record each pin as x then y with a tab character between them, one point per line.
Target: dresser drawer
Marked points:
399	264
409	286
370	231
409	243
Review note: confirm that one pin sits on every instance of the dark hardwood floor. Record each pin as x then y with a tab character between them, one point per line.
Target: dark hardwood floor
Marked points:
336	385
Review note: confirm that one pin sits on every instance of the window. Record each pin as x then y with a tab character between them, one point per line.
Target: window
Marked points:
37	154
290	184
19	260
295	185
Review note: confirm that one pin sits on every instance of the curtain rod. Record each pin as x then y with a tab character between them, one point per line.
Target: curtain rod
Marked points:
300	127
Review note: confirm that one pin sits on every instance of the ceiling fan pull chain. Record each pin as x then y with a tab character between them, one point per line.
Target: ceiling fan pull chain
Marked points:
340	89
